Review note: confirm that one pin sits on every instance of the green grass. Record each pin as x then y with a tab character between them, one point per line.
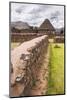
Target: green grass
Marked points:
56	70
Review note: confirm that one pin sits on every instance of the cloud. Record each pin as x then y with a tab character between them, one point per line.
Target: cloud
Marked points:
35	14
55	16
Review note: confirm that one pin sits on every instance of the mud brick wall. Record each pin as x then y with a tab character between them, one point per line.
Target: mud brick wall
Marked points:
22	38
26	61
59	39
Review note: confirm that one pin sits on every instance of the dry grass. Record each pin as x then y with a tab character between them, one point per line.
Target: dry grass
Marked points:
14	44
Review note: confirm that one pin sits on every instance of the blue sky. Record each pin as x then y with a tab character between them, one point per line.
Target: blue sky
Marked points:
35	14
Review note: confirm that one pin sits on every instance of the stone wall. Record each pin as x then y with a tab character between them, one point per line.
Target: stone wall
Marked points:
26	62
22	37
59	39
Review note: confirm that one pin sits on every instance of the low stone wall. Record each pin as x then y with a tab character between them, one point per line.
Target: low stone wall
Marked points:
59	39
26	62
22	37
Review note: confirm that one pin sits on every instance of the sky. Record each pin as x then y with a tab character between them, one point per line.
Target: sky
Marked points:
35	14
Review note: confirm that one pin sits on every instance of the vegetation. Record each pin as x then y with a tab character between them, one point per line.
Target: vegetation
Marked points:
14	44
56	69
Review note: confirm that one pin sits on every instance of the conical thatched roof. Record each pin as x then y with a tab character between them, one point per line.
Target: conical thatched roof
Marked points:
46	25
20	25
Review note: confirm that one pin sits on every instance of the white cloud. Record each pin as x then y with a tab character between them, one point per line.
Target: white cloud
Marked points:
35	14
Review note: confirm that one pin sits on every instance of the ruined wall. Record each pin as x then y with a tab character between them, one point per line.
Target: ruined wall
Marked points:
22	38
26	62
59	39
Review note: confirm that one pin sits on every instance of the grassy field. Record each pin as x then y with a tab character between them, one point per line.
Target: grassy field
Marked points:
56	70
14	44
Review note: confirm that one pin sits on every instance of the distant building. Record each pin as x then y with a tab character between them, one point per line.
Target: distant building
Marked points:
46	28
21	31
22	27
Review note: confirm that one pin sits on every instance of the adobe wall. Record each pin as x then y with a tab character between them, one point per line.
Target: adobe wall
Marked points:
22	38
26	62
59	39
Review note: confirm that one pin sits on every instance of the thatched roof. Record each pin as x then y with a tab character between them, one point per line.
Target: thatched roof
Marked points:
46	25
20	25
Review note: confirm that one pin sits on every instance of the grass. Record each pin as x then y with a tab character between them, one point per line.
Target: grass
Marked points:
56	68
14	44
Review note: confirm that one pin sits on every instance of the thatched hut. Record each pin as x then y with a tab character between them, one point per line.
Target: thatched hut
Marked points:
21	31
46	28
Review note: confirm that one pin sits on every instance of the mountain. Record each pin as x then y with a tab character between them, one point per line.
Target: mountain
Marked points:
20	25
